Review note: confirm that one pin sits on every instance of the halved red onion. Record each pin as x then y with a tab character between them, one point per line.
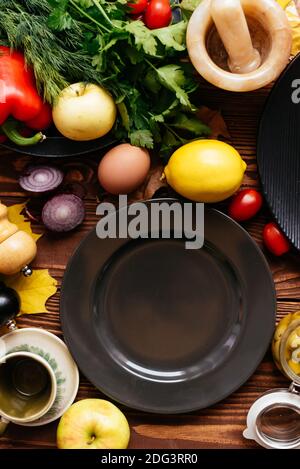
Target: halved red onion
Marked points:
41	179
63	212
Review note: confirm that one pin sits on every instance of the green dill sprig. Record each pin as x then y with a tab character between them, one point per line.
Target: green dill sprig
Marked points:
57	58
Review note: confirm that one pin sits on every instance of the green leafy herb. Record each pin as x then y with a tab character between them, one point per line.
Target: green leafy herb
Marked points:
188	6
57	59
141	138
190	124
96	41
172	37
172	77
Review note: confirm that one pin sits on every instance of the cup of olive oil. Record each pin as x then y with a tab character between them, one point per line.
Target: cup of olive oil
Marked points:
27	388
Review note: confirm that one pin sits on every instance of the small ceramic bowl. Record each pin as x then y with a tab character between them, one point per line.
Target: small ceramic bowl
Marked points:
54	351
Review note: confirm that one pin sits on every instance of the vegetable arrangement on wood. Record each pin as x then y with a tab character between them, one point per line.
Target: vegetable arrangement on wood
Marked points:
94	67
101	42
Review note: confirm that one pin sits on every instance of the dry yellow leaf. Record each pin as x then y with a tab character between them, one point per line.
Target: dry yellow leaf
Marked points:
34	291
15	216
284	3
294	21
290	8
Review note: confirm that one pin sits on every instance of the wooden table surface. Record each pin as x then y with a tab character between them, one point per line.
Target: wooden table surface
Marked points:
220	426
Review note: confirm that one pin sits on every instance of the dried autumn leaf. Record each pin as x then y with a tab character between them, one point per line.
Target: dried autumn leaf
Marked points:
152	183
292	9
215	121
34	291
284	3
294	21
15	216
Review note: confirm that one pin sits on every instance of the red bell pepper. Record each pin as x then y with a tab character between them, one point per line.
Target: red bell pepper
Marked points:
19	99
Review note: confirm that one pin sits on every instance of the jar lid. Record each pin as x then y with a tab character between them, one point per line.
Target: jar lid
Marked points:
273	420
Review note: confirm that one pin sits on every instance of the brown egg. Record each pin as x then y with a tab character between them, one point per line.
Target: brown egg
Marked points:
123	168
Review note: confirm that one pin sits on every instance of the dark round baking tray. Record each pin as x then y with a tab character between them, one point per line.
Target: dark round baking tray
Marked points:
278	152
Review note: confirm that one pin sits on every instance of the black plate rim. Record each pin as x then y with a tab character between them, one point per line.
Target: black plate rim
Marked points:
259	139
147	408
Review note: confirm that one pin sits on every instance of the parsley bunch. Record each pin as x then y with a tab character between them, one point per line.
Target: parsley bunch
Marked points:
145	70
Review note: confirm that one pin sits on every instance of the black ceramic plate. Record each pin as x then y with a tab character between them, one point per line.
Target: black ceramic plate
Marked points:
164	329
56	146
278	152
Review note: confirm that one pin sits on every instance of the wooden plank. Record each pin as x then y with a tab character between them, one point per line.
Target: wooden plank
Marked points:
220	426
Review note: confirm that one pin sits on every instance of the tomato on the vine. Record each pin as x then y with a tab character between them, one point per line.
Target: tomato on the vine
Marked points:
275	240
245	205
158	14
137	6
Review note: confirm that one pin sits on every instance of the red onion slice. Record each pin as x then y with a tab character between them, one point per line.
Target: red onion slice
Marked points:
63	212
41	179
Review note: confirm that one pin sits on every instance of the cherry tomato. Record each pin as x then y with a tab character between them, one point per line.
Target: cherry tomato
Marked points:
137	6
275	240
245	205
158	14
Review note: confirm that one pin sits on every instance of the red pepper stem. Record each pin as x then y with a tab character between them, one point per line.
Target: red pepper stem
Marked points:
9	128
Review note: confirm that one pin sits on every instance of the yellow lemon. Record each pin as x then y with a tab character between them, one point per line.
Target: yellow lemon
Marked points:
205	170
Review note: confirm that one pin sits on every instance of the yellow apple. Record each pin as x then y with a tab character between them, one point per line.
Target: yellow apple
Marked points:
84	111
93	424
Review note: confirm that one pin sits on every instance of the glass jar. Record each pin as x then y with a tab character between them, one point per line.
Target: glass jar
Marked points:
273	420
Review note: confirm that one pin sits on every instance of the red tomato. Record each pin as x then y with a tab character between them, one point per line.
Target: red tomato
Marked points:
137	6
158	14
245	205
275	240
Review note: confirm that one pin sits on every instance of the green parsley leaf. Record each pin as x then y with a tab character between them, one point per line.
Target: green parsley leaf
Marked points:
173	36
124	114
84	3
62	4
172	77
143	37
190	124
60	20
151	81
141	138
155	128
135	56
167	112
170	144
190	5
